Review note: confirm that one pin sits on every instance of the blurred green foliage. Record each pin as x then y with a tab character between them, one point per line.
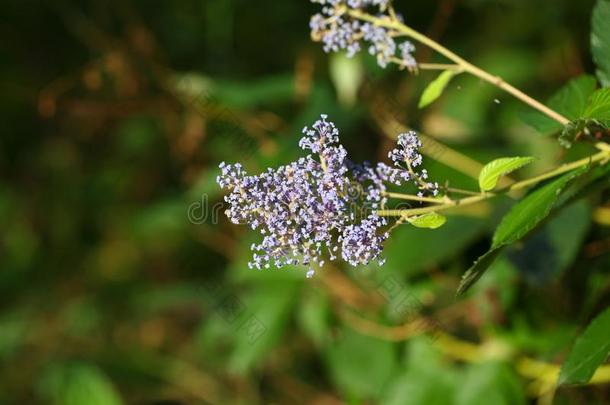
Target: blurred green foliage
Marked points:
122	282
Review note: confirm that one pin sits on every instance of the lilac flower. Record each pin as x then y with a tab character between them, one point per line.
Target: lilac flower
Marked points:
406	55
307	210
364	3
338	31
382	44
406	158
362	243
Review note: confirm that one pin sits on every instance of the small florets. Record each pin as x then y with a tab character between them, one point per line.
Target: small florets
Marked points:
338	31
312	208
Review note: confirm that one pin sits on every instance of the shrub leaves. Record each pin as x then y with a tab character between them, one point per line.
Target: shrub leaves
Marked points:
589	352
436	88
520	220
600	40
530	211
599	105
491	173
429	221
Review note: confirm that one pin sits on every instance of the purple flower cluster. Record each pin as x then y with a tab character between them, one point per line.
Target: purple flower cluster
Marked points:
362	243
308	210
407	159
335	28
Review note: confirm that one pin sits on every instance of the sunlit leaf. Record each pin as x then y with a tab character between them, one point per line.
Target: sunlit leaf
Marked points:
436	88
347	75
599	104
429	221
491	173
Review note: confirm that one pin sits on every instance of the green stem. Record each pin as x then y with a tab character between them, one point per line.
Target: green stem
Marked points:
602	156
439	66
410	197
497	81
460	191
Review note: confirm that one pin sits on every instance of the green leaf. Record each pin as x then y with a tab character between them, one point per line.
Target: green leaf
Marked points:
429	221
428	387
477	270
570	101
529	212
347	75
351	359
436	88
599	104
586	118
547	252
260	322
600	40
595	180
520	220
491	173
490	383
76	384
314	316
589	352
427	379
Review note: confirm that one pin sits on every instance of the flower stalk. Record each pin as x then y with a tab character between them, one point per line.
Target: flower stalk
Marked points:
601	157
392	23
